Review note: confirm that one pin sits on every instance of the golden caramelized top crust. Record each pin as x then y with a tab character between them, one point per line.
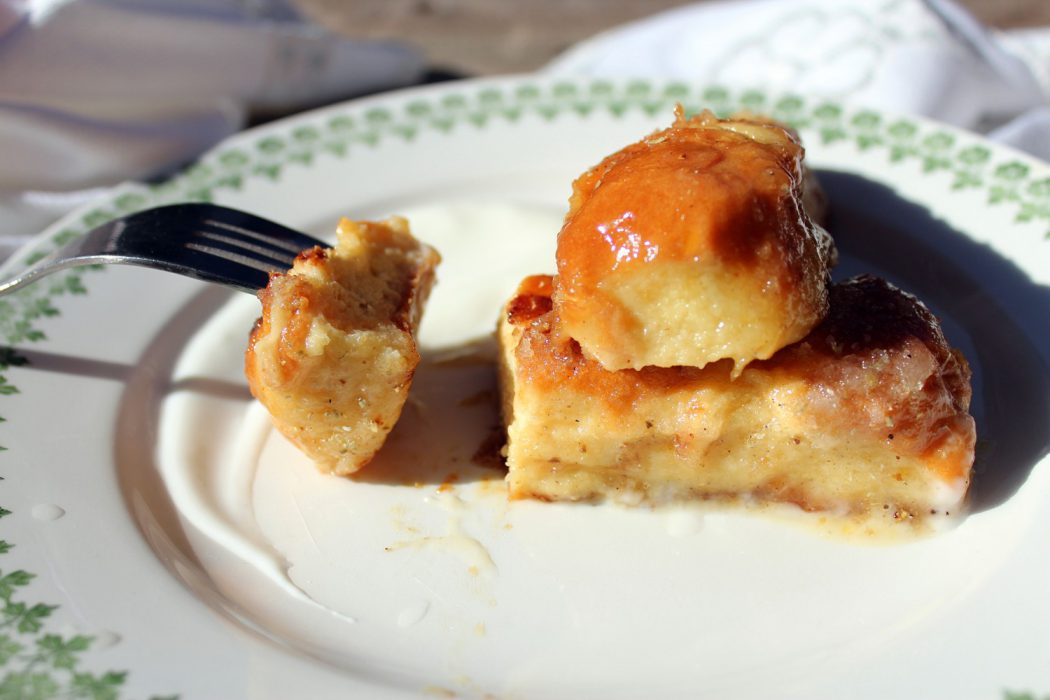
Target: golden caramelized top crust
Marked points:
878	368
546	359
532	300
880	361
705	197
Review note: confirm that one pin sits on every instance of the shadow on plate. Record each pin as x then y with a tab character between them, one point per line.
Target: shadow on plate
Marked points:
990	309
135	451
454	392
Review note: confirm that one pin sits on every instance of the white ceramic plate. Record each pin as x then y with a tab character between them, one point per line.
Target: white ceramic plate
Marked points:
159	539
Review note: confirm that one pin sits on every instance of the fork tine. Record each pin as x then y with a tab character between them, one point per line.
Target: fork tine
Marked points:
267	232
212	243
250	249
211	265
197	216
241	222
204	241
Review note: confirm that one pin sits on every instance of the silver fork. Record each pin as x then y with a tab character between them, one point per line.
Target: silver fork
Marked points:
204	241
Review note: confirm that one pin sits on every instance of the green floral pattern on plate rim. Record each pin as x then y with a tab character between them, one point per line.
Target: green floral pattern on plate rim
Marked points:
38	663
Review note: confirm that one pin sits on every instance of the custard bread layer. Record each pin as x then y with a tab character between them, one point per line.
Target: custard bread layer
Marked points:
865	415
333	355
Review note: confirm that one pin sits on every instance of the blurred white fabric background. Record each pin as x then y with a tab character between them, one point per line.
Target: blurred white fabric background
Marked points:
93	92
928	58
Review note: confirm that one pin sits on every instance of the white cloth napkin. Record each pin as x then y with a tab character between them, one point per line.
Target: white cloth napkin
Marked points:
928	58
94	92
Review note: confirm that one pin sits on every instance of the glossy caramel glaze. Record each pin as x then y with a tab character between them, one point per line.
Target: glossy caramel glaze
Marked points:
705	197
533	299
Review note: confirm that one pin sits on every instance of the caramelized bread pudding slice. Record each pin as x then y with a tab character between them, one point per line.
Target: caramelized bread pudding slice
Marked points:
692	246
332	357
866	415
